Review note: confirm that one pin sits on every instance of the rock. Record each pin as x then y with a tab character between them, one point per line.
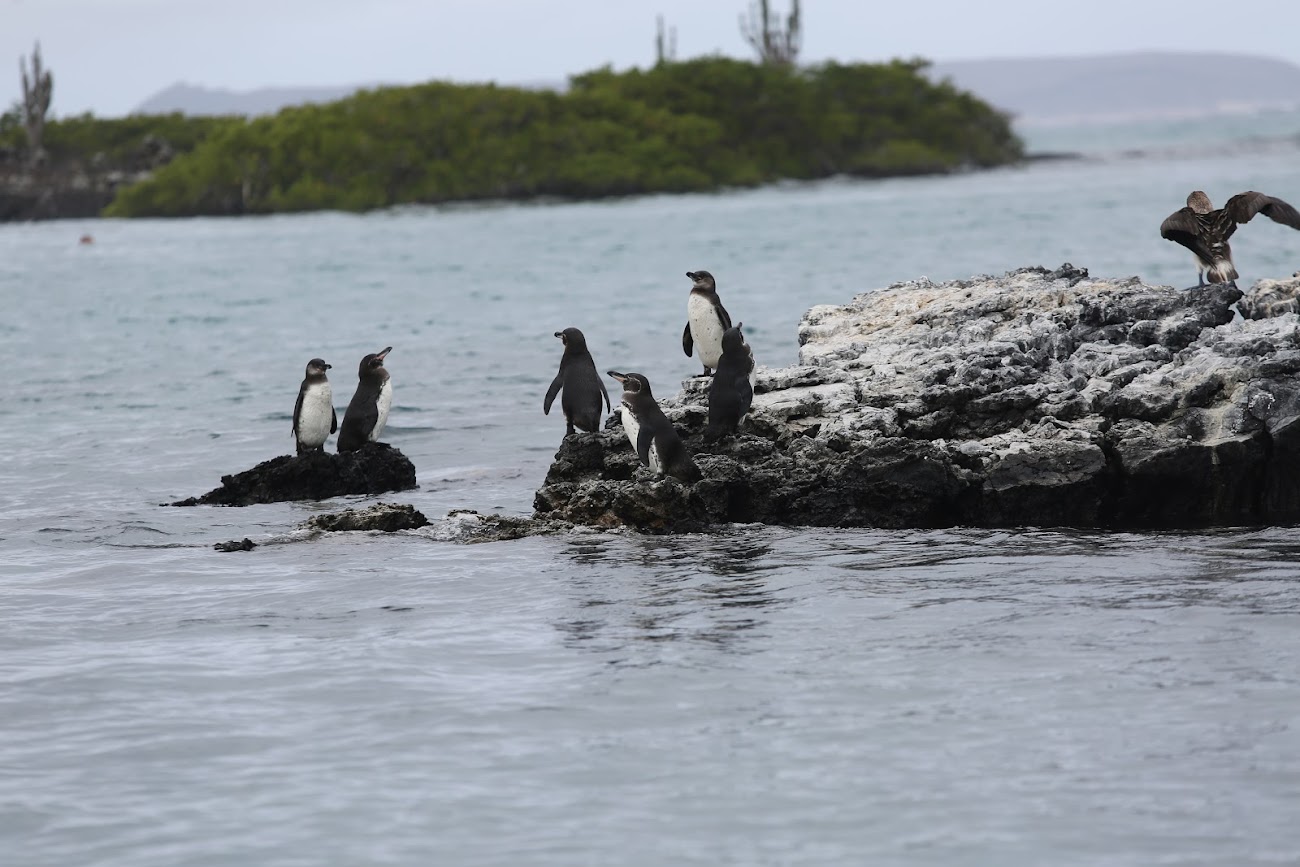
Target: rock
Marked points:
1269	298
384	517
244	544
468	527
376	468
1040	397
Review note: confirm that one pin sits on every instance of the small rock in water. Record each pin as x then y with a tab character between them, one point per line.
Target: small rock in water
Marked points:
375	468
385	517
244	544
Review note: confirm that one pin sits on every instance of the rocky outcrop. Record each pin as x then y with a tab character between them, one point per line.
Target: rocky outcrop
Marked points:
1036	398
381	517
376	468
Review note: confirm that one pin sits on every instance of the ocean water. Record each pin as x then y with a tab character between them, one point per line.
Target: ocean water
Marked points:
758	695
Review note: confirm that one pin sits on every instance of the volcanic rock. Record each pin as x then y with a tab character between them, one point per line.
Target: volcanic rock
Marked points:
375	468
1036	398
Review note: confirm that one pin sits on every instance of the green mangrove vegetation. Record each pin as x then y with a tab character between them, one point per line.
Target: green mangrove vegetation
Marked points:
121	142
679	126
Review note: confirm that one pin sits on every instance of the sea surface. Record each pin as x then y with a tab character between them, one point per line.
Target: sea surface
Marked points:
758	695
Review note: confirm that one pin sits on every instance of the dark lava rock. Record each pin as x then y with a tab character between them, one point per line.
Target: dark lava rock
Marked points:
376	468
1041	397
244	544
385	517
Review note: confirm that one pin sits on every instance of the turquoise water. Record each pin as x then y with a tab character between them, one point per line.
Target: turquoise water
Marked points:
754	696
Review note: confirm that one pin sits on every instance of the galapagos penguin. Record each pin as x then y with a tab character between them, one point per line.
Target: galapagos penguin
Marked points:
366	414
706	319
583	387
651	433
314	418
732	390
1205	231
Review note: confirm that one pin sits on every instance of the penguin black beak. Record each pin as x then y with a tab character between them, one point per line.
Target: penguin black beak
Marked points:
619	376
328	366
559	334
381	355
690	274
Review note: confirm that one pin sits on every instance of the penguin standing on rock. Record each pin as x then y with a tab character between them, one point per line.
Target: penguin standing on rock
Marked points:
706	319
314	418
367	413
651	433
732	390
583	387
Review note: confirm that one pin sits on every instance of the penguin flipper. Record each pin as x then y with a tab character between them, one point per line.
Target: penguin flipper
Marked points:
746	394
644	440
724	316
297	411
688	342
554	390
334	420
604	391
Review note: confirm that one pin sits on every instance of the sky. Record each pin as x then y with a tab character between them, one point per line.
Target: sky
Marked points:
108	56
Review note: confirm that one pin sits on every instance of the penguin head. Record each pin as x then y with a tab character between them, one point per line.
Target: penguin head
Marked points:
572	339
703	280
633	383
372	362
317	367
1199	202
732	339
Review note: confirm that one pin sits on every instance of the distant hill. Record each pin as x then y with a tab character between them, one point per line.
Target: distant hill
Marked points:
1123	87
193	99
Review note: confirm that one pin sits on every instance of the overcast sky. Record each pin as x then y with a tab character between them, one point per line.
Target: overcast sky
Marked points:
108	56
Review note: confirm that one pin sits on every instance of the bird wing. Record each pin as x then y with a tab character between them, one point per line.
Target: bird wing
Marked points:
604	391
297	408
554	390
334	420
688	342
746	393
643	440
359	419
1182	227
723	314
1243	206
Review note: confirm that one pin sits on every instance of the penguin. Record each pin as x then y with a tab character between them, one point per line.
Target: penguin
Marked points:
652	436
366	414
732	390
706	319
583	387
314	418
1205	231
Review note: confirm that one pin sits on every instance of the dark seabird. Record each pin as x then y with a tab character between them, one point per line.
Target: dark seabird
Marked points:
1205	231
706	319
651	433
732	390
313	415
583	387
367	412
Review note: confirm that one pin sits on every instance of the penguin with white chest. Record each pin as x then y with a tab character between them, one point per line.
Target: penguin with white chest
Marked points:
367	413
314	418
652	435
731	392
706	320
583	387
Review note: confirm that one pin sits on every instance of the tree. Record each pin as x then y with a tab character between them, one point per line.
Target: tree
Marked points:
37	91
775	46
665	49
